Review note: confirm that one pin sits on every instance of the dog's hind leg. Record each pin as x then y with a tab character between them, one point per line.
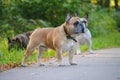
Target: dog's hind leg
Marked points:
30	48
89	42
41	50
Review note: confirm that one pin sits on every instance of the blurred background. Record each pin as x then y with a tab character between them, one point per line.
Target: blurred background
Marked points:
18	16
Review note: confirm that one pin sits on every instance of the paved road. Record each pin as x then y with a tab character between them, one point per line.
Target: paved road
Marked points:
102	65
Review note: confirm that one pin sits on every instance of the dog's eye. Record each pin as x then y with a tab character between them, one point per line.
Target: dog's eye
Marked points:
84	22
76	23
13	40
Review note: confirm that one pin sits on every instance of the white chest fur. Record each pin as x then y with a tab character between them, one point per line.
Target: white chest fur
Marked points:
83	38
67	46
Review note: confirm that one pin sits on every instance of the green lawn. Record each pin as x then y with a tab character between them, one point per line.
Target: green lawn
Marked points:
107	41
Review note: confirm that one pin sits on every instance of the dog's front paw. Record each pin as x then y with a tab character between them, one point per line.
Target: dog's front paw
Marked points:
23	65
61	65
73	64
90	51
42	65
79	53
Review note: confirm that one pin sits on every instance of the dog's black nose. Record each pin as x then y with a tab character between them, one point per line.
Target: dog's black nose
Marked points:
83	30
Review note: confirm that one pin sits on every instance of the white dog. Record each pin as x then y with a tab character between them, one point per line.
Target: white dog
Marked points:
84	37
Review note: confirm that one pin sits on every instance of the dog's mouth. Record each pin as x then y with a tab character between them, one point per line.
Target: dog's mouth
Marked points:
76	32
79	29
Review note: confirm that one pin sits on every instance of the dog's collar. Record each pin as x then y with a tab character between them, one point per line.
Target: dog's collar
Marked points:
68	35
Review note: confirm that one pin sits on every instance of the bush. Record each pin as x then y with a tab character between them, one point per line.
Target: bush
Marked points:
18	16
101	22
117	19
19	25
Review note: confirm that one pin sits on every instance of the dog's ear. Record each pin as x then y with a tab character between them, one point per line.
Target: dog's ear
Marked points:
86	16
17	40
76	13
9	40
68	17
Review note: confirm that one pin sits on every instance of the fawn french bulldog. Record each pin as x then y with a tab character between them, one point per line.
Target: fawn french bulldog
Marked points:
61	39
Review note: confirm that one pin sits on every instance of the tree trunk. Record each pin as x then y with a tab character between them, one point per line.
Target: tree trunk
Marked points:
116	4
106	4
100	2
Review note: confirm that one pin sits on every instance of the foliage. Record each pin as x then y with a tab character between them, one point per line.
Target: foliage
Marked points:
117	19
18	16
101	23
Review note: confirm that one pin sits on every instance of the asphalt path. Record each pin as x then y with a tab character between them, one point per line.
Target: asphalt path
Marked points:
104	64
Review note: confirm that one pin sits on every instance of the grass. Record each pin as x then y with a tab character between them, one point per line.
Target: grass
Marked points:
106	41
16	56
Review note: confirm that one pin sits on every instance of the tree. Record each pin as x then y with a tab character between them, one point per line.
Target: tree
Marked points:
116	5
104	3
107	3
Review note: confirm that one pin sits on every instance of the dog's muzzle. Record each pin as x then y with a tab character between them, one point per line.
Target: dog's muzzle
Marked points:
83	28
79	27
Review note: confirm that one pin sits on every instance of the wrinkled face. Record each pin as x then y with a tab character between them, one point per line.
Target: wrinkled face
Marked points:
84	23
79	27
75	25
12	43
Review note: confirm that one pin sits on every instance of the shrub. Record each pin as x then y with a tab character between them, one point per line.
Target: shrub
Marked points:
101	22
19	16
117	19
